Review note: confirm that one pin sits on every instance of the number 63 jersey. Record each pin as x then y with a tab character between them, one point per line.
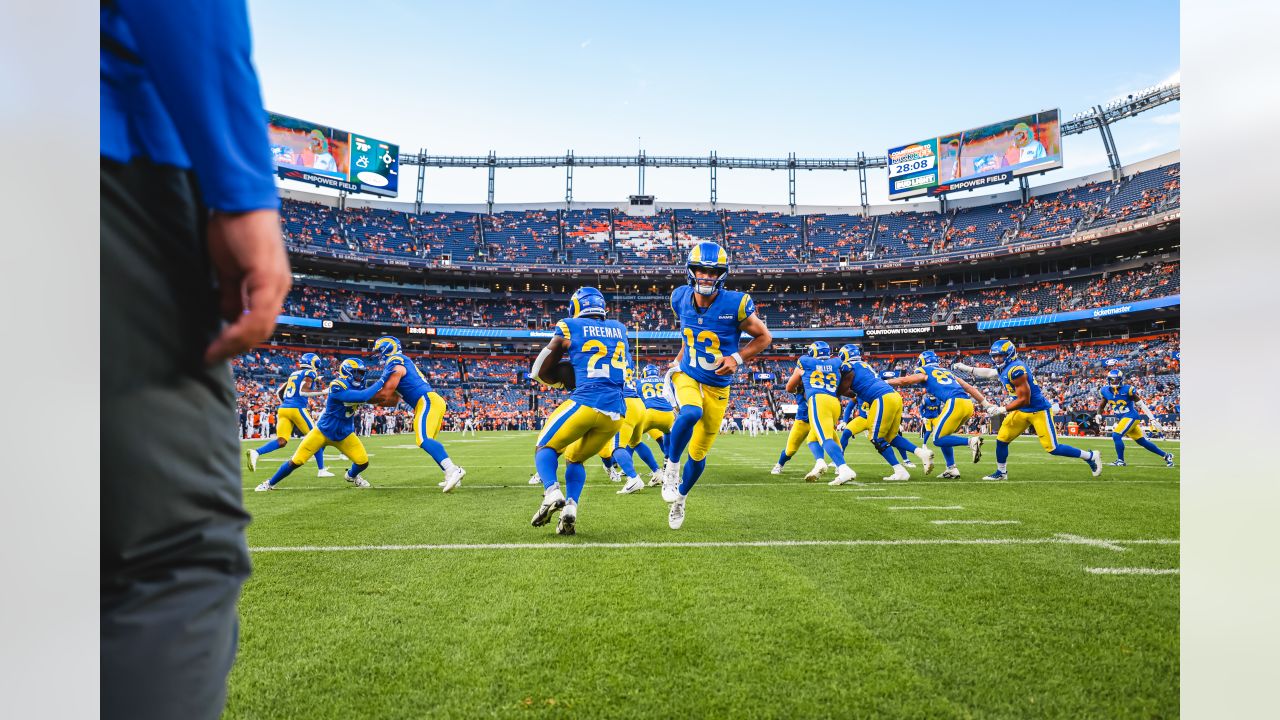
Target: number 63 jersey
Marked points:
710	334
598	351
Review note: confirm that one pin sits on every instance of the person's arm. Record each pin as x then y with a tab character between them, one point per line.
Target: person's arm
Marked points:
1102	405
980	373
362	395
974	392
391	381
846	385
307	391
550	357
1142	408
761	339
793	382
1022	392
913	379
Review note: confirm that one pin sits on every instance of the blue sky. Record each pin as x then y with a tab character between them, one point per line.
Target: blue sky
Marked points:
742	78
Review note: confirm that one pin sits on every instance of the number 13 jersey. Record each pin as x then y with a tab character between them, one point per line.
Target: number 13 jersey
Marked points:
710	334
598	351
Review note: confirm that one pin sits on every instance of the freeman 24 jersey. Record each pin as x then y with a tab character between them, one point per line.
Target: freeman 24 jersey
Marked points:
292	396
819	376
1120	401
941	384
710	334
598	351
413	384
1015	370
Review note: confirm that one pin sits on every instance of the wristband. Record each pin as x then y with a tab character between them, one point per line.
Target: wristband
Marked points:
738	357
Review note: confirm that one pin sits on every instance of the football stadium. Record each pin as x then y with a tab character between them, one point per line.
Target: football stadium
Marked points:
914	454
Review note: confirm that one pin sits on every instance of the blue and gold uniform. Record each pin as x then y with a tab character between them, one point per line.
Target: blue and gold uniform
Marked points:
820	379
884	404
594	412
956	407
930	409
658	414
292	415
1122	403
414	389
801	429
632	430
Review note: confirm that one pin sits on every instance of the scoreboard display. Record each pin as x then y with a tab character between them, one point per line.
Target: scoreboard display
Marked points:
995	153
323	156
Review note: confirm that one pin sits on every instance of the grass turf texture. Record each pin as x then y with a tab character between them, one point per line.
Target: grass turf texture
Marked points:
888	630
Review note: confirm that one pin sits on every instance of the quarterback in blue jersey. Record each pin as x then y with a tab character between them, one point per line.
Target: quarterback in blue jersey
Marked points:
405	379
956	398
712	320
658	418
336	426
884	412
292	415
593	414
802	433
1028	408
1121	400
818	375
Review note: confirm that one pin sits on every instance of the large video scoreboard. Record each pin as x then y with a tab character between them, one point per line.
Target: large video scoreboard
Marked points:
318	154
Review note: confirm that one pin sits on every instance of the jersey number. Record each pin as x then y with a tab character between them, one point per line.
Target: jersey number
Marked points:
290	388
943	377
709	343
596	367
649	390
824	381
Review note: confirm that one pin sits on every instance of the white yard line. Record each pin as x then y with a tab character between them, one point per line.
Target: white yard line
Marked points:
926	507
554	545
1077	540
890	497
1132	571
895	485
976	522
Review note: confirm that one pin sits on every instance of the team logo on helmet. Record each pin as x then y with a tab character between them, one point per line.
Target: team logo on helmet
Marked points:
386	345
819	349
587	301
850	352
352	369
1115	377
707	256
1003	352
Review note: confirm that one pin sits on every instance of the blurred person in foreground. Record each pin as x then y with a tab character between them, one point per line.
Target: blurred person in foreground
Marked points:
193	272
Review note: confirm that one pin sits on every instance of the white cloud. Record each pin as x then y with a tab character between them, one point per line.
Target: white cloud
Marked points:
584	44
1172	118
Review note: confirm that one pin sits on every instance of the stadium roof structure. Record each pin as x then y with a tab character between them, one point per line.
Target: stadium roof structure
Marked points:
1099	117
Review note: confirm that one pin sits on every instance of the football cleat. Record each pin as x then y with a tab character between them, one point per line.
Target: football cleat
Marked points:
1168	459
950	474
818	471
633	485
675	518
777	470
906	463
533	480
1095	462
975	445
1118	463
997	475
844	476
264	486
568	518
358	481
322	472
898	476
655	478
252	457
926	456
453	478
552	502
615	475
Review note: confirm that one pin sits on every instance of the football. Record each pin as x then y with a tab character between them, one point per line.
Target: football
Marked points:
561	373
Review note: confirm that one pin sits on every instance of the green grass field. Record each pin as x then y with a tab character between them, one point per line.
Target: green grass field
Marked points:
777	598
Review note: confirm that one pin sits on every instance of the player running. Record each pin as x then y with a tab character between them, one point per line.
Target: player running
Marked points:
819	374
407	380
617	452
711	321
802	432
658	418
930	409
1121	399
292	415
1028	408
957	399
884	412
581	425
336	426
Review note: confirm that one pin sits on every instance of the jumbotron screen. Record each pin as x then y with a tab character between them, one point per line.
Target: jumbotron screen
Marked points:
318	154
987	155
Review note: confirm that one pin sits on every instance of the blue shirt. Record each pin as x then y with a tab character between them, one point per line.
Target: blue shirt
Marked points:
867	384
710	334
1015	370
1120	401
413	384
292	396
941	383
598	351
819	376
931	408
177	87
802	408
651	392
338	419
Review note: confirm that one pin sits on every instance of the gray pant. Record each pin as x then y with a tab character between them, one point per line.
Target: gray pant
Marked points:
173	521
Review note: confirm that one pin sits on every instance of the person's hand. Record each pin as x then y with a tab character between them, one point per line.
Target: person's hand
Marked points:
253	278
726	365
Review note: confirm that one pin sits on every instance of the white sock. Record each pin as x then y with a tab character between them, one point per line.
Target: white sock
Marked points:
1001	466
953	467
899	468
448	465
844	467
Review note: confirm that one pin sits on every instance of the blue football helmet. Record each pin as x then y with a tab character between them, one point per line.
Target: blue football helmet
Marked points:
386	345
850	353
819	349
587	301
707	256
309	360
1003	352
1115	377
352	369
651	371
929	357
888	375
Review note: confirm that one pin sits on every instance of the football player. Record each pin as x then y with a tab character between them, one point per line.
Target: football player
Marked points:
336	426
802	432
658	417
957	399
292	415
407	381
818	374
617	452
903	457
593	414
711	320
884	411
930	409
1027	408
1121	399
